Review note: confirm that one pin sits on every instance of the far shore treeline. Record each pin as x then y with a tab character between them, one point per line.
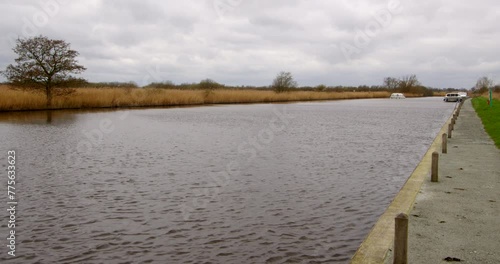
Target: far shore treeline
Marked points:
209	84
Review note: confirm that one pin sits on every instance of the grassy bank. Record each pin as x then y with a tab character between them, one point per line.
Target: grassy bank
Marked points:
490	117
138	97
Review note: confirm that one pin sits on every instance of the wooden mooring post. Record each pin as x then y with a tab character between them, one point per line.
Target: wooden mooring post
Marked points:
444	144
401	239
434	167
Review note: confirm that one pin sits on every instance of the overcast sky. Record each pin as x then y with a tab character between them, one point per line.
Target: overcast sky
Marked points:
446	43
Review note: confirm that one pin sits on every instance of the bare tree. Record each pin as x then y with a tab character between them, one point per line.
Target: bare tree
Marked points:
209	84
44	64
391	83
283	82
483	84
320	88
408	82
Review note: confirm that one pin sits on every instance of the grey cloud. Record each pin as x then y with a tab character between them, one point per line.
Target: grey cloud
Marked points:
445	42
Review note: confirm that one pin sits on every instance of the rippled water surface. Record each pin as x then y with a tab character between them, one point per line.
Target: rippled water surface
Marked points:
268	183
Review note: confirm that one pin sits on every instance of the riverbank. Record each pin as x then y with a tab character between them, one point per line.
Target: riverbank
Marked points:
454	219
490	117
84	98
458	216
379	241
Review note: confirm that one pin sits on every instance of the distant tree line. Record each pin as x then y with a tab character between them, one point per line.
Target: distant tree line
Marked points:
484	84
284	82
407	84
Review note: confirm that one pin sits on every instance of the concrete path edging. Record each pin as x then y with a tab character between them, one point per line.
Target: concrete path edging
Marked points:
374	249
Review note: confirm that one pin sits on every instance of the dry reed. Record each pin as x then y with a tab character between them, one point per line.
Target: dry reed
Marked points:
495	95
139	97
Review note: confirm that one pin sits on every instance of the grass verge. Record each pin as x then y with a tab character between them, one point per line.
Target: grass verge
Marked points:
490	117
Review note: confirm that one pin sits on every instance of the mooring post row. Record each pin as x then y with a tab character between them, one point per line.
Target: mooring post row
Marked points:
401	239
444	143
435	167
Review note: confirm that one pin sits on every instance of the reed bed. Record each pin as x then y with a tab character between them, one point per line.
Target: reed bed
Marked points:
11	100
495	95
440	93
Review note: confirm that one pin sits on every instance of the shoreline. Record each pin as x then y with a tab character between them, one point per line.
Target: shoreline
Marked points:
116	98
457	217
111	108
379	241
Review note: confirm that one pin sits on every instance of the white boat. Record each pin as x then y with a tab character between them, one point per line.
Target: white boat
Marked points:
397	96
463	95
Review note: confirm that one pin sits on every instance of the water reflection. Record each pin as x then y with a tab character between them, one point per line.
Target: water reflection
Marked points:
66	115
38	117
49	117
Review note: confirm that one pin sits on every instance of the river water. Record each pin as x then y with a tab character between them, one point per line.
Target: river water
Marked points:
260	183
